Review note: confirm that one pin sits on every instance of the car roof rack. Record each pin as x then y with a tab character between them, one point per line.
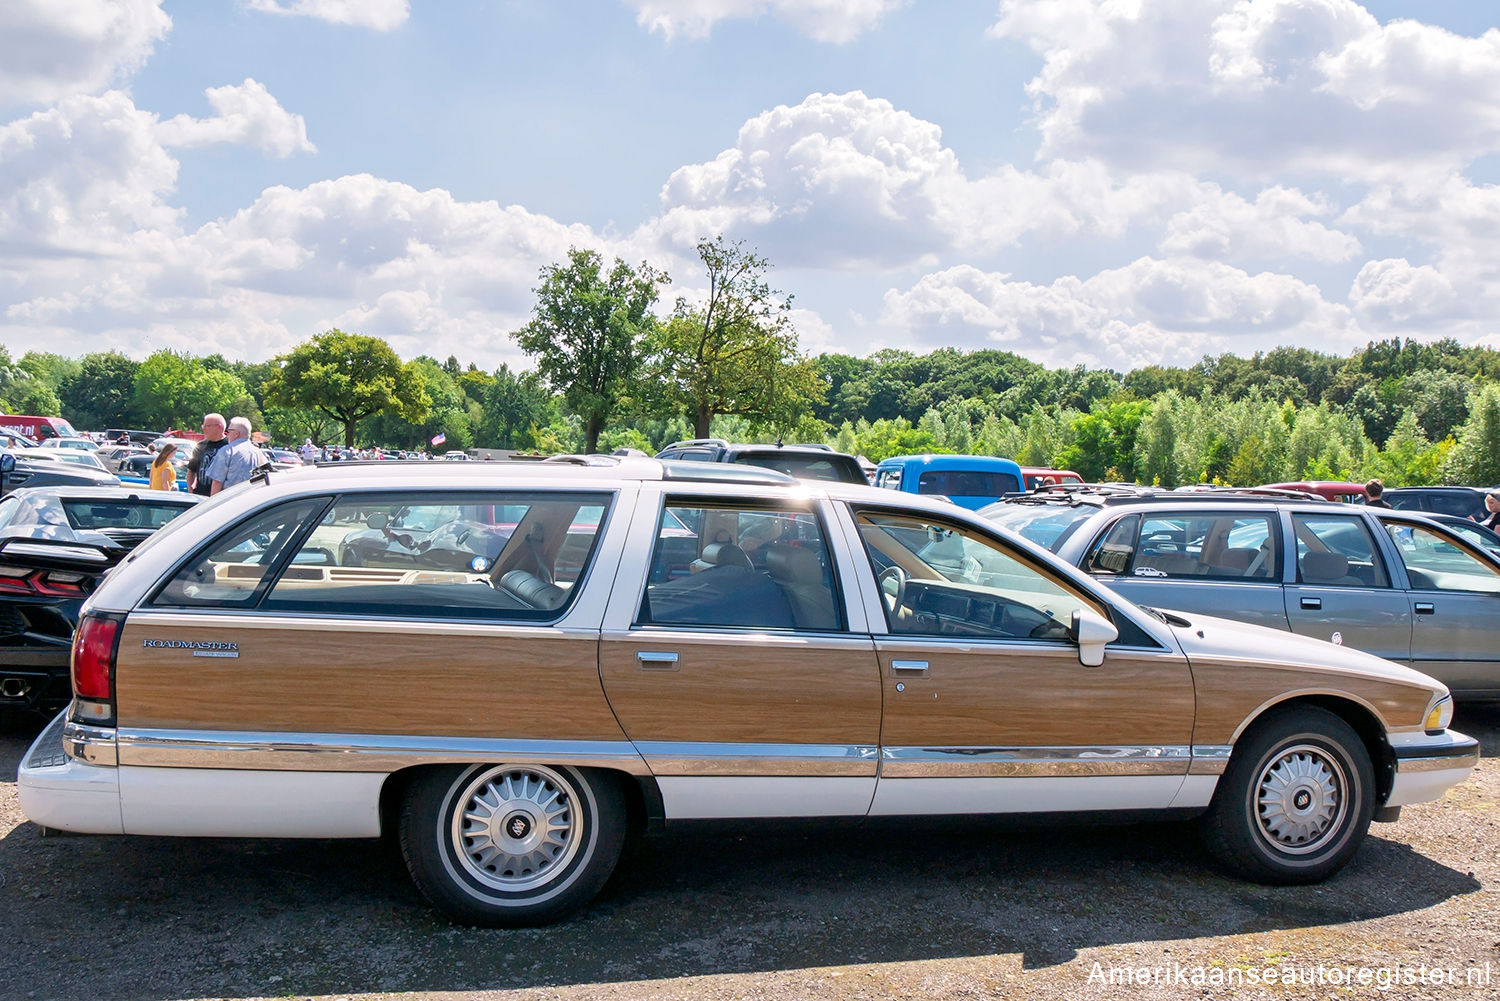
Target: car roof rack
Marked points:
720	472
689	442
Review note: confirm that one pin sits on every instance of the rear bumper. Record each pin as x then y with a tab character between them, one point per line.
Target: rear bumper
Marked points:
63	793
1428	766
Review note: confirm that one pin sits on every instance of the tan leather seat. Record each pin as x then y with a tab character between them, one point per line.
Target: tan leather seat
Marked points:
799	574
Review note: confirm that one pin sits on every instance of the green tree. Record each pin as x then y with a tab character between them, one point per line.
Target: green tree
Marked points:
102	393
1475	459
586	333
736	353
173	389
348	377
513	409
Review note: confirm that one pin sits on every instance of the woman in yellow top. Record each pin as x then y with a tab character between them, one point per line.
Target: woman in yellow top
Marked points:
163	473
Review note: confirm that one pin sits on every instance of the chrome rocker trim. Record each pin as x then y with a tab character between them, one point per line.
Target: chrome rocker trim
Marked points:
355	752
1031	762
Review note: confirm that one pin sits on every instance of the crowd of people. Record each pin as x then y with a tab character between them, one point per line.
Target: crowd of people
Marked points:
227	454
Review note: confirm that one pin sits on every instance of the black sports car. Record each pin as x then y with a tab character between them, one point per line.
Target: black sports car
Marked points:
56	544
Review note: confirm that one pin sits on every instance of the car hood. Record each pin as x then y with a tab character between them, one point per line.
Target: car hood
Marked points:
1207	637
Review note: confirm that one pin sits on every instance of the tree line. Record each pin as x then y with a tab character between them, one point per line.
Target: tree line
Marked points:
612	369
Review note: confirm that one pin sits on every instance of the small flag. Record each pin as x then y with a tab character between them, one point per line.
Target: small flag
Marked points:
439	438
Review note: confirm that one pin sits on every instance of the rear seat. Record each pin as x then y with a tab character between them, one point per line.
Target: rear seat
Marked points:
532	590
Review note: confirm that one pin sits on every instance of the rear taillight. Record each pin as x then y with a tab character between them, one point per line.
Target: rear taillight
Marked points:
94	647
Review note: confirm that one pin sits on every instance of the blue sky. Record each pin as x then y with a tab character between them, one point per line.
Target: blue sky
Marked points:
1111	182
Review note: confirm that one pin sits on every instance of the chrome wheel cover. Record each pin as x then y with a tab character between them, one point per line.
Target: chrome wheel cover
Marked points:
515	828
1301	799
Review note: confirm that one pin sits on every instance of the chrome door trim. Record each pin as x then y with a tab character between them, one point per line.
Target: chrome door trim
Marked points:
1026	762
672	757
357	752
199	618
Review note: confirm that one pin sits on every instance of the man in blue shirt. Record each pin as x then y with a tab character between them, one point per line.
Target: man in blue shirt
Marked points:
235	462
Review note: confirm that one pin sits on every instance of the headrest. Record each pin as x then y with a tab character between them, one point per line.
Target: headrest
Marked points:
1324	566
793	563
726	554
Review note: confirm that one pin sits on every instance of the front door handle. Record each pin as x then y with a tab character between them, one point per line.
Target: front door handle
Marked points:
1312	603
908	667
1425	608
656	660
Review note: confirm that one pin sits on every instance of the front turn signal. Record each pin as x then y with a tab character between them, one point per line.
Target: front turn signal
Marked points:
1440	715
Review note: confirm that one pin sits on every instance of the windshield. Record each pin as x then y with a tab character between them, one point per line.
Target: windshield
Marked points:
1044	525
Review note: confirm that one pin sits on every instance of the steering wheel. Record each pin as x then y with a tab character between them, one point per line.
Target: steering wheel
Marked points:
893	587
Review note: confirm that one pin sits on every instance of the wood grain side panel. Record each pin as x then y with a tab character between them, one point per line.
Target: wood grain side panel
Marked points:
743	689
1230	692
380	679
1034	697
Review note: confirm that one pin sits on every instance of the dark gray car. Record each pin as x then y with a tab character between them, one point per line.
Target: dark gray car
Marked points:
1392	583
35	469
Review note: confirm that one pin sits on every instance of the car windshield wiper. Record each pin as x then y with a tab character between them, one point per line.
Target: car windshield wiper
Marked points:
1170	618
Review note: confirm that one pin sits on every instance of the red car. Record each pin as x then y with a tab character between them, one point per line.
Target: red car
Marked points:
1334	490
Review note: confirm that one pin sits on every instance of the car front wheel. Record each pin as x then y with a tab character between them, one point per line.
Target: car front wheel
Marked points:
507	845
1295	801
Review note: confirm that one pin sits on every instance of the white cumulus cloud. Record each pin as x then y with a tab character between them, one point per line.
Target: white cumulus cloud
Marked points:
378	15
832	21
1150	311
1225	226
246	115
51	49
1256	89
1393	294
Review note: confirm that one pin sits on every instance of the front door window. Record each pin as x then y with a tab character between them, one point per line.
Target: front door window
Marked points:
943	579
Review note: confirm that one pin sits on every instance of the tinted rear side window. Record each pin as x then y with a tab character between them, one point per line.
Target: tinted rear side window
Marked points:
967	483
808	467
491	555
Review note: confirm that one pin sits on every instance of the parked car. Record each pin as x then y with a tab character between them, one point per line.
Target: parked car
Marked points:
1334	490
970	481
79	443
1465	502
44	467
37	428
56	543
135	470
77	457
1392	583
113	455
136	436
1473	531
1043	476
807	462
896	656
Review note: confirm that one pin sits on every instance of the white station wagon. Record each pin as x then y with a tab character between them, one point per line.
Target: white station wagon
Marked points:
568	652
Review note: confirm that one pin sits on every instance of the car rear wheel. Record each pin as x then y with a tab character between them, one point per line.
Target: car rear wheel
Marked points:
506	845
1295	801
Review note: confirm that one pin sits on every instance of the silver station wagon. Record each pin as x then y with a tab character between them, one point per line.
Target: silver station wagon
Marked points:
1392	583
637	643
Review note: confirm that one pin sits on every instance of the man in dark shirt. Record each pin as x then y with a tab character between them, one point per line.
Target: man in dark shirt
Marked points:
1373	494
203	454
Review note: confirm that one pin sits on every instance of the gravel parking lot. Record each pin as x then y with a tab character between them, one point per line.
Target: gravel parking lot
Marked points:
955	912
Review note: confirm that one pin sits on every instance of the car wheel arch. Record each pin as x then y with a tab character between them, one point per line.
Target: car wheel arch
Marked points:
643	801
1362	718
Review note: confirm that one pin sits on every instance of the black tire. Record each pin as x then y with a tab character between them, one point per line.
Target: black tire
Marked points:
1295	801
568	829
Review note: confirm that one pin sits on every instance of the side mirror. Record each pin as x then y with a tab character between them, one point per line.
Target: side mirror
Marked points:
1092	632
7	463
378	520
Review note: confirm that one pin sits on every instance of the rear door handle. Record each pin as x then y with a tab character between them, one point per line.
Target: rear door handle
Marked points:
1313	603
908	667
656	660
1425	608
